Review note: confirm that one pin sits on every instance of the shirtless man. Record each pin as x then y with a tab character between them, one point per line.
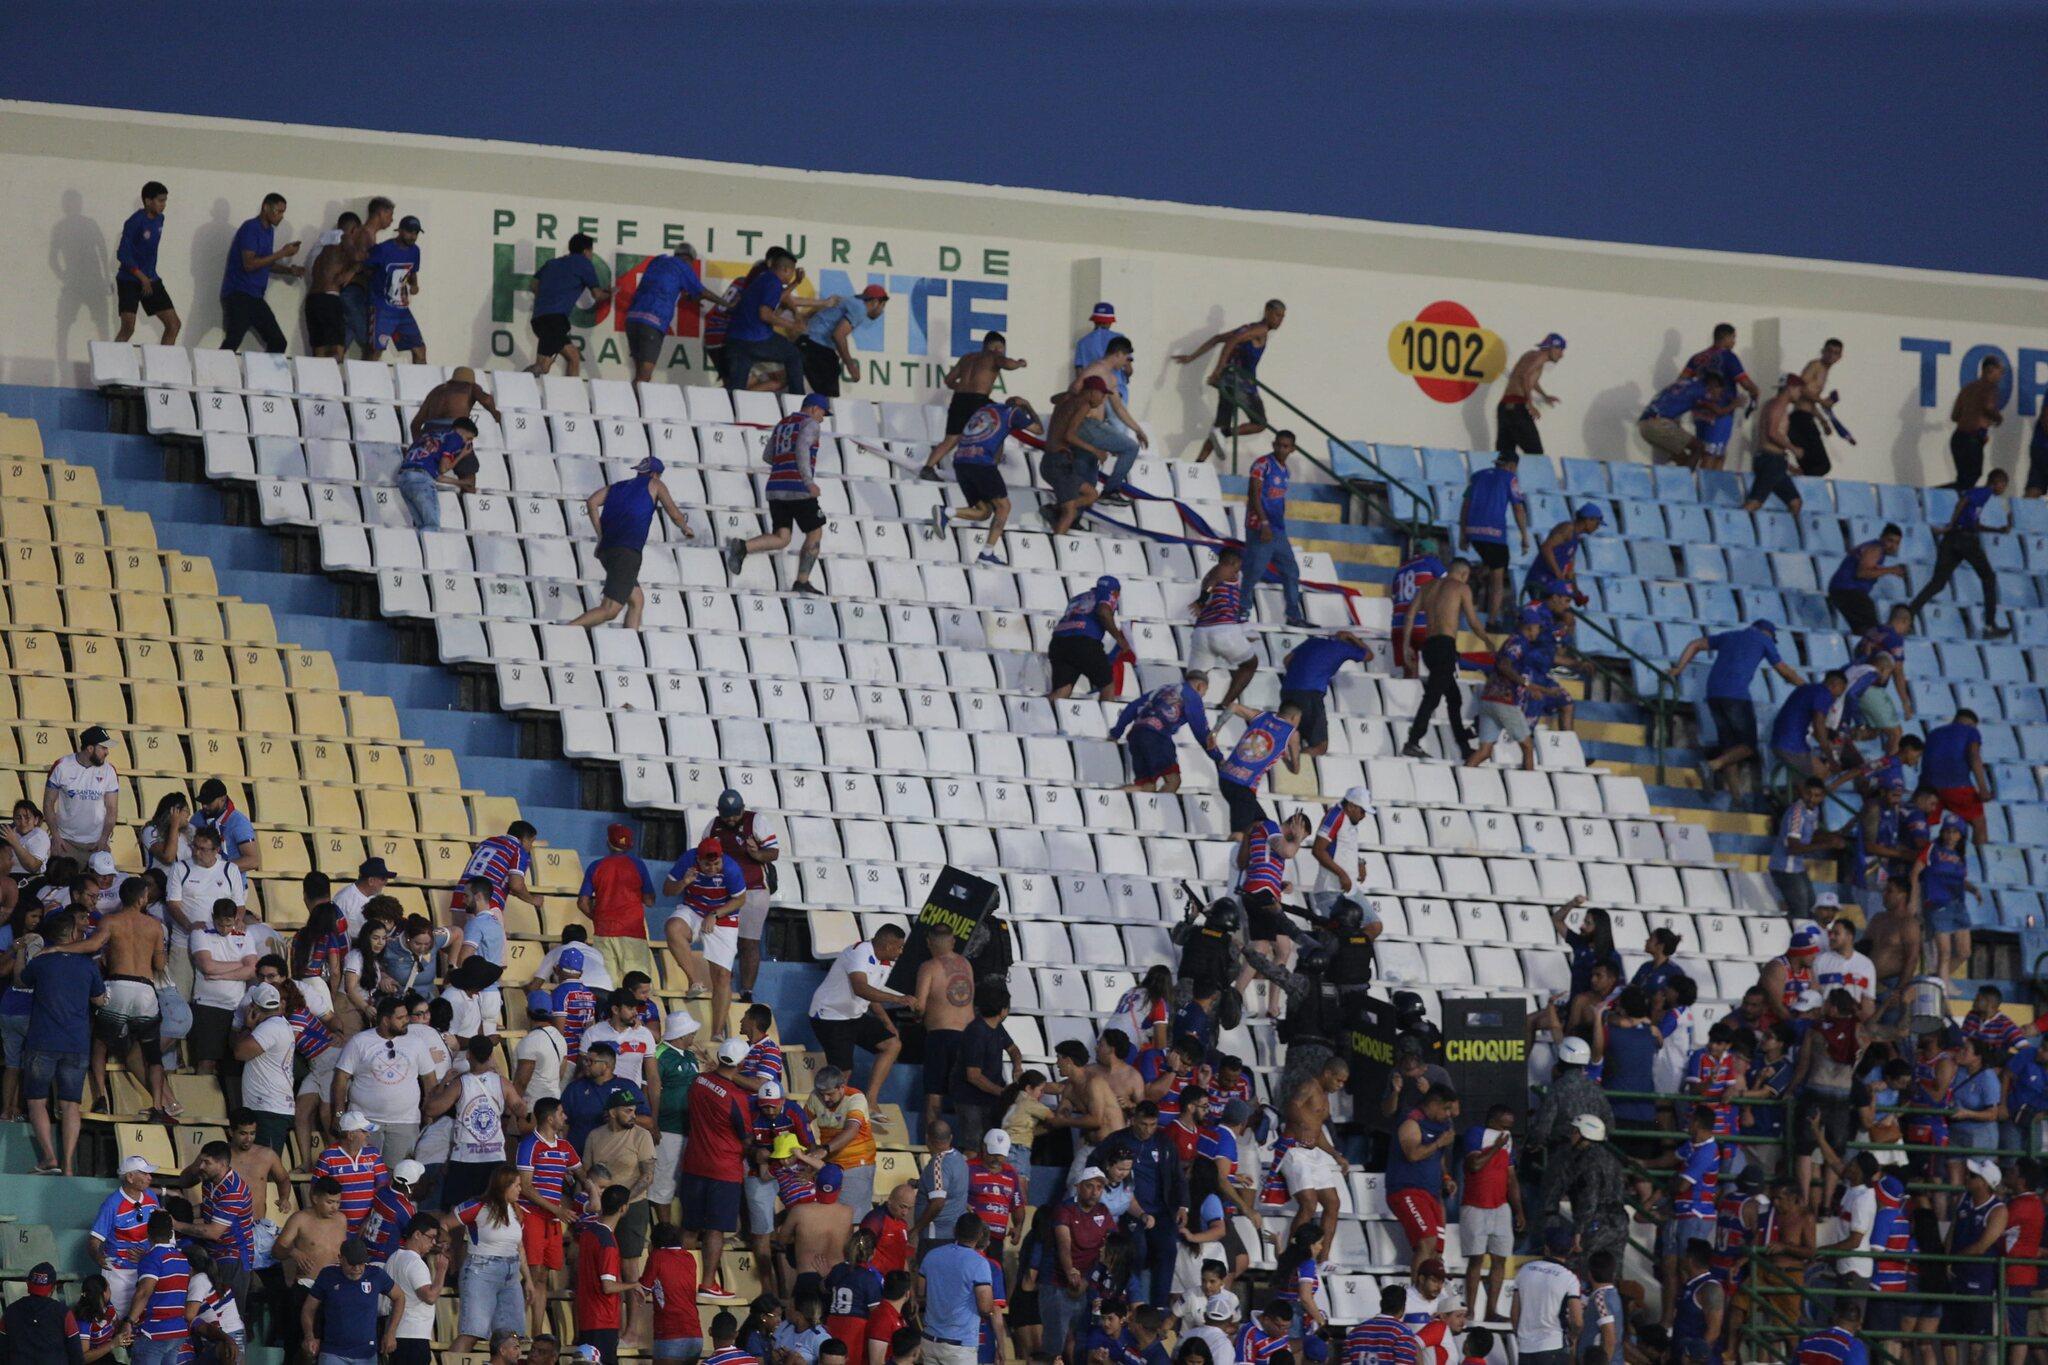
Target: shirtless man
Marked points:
944	998
261	1170
972	378
1771	466
814	1234
333	268
131	942
451	399
1125	1081
1813	413
1071	466
309	1242
1515	415
1312	1167
1449	605
1895	934
1086	1103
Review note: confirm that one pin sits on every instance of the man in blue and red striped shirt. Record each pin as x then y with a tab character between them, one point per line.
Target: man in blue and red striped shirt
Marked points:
158	1311
226	1221
763	1061
547	1162
713	886
1987	1023
792	493
120	1233
575	1004
1267	1334
354	1165
1840	1344
506	862
1384	1340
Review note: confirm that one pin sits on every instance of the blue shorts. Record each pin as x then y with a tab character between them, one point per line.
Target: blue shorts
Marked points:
709	1205
396	330
678	1348
1537	707
1152	755
1714	435
1952	918
1676	1233
59	1075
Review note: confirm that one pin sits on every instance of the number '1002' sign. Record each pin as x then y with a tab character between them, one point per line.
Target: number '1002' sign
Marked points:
1446	352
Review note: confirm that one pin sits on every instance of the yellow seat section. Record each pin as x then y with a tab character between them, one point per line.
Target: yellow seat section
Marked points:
130	529
558	871
147	614
433	769
443	814
90	608
154	751
256	665
378	765
29	561
490	814
266	712
77	525
284	852
249	623
278	803
334	808
388	809
83	566
312	668
158	703
191	575
197	618
400	854
339	851
319	713
36	605
324	760
100	698
42	745
371	717
77	483
271	757
138	569
45	699
22	520
36	651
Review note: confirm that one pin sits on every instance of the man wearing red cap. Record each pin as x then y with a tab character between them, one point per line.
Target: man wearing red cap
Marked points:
827	342
616	895
1071	467
1095	341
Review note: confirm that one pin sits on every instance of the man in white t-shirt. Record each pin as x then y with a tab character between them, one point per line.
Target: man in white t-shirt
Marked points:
1219	1321
1841	965
265	1049
419	1267
379	1076
372	876
223	964
194	885
82	797
538	1061
841	1007
1857	1219
1339	869
1546	1310
621	1027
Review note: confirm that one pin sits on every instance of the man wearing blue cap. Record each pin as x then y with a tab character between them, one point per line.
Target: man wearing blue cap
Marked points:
792	455
1515	415
1556	565
394	271
429	465
1737	656
1076	652
1507	687
622	514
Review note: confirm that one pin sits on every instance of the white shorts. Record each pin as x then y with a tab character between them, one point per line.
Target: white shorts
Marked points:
754	914
320	1074
263	1236
120	1288
1309	1168
132	1000
1219	647
721	947
1487	1232
668	1159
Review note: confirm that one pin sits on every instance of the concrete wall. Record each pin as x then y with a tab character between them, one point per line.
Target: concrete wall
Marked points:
960	259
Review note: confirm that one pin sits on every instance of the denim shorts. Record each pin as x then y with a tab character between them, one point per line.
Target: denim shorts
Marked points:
13	1029
60	1072
678	1348
1953	918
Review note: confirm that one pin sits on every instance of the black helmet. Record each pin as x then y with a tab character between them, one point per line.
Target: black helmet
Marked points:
1225	915
1409	1009
1348	915
731	803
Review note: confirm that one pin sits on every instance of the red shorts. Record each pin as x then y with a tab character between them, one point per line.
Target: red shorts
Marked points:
1420	1214
1404	643
1963	801
542	1234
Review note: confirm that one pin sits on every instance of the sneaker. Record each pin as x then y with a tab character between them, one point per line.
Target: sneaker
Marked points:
1301	623
930	475
1413	749
939	520
735	554
805	587
1115	500
715	1289
992	559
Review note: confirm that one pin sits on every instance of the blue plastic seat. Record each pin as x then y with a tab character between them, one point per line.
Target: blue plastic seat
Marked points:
2031	515
1705	564
1676	484
1688	523
1762	604
2018	909
1940	621
1640	519
1821	534
1775	529
2027	707
1536	473
1595	592
1642	637
1546	509
2004	663
1733	528
1444	466
1585	478
2001	742
1979	696
1793	572
1752	570
1897	502
2037	655
1941	504
1810	611
1631	480
1715	604
1653	559
1921	659
2005	866
1960	660
1818	495
1854	498
1624	597
1825	651
1605	555
1406	506
1671	602
1677	635
2006	553
1722	488
1935	701
2015	782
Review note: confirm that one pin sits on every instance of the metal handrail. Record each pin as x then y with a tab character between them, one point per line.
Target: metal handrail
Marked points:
1757	1333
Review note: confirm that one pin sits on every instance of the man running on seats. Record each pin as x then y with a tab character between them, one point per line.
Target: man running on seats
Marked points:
622	514
1220	639
1235	377
1515	415
1962	543
1771	466
1070	466
1443	606
451	400
1155	718
792	493
976	457
972	379
1076	652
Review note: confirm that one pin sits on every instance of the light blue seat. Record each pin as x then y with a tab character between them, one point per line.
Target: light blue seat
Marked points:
1688	523
1762	604
1444	466
1641	519
1653	559
1856	499
1960	660
1546	510
1715	604
1733	528
1642	637
1624	597
1809	611
1921	659
2006	554
1821	534
2026	706
1793	572
1936	701
1605	555
1979	696
2015	782
1596	595
1401	462
1536	473
1722	488
1406	506
1897	502
1941	504
1705	564
1675	484
1825	651
1775	529
1631	480
2001	742
1817	495
2031	514
2037	655
1585	478
1671	602
2004	663
2018	909
1749	568
2033	744
1677	635
1940	621
2005	866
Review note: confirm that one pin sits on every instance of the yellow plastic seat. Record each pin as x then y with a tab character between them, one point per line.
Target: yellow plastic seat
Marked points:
401	855
29	561
149	1141
432	769
378	765
256	665
95	656
90	608
444	859
45	699
155	752
36	605
521	919
218	753
284	905
278	803
83	566
319	713
203	663
270	756
284	852
100	698
42	745
892	1167
77	525
34	651
412	900
332	848
334	808
144	613
492	813
24	478
11	789
188	1138
388	809
443	814
558	871
522	960
312	668
191	575
77	483
268	711
138	568
800	1068
159	703
371	717
557	912
10	707
324	761
152	788
128	529
249	623
201	1098
22	520
211	706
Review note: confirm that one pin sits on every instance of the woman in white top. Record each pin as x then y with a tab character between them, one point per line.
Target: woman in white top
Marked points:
166	840
493	1279
218	1309
477	1099
27	836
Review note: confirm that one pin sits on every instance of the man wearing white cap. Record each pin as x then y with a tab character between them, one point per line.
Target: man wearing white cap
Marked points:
265	1047
995	1187
1081	1225
1219	1324
120	1232
1340	869
675	1067
1978	1230
714	1161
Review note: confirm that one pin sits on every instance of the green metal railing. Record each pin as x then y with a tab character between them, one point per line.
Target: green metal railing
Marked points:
1768	1280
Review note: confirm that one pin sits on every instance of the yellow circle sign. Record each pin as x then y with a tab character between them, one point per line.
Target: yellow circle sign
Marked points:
1446	352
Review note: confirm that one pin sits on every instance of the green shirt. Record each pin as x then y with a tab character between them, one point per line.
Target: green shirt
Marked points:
677	1069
